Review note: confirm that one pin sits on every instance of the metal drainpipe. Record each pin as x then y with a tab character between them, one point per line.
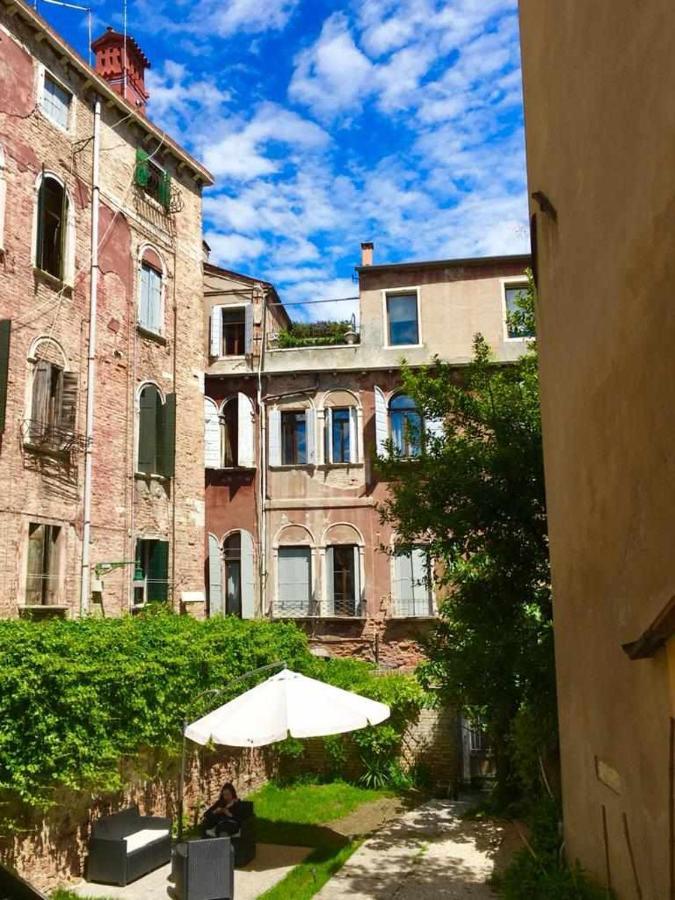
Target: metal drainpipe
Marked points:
85	581
262	481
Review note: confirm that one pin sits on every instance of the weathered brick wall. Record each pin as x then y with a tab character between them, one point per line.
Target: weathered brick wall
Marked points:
38	487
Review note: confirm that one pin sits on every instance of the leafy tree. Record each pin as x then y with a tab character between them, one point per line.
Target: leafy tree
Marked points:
476	494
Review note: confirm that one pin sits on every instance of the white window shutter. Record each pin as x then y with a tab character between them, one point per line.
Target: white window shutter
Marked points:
216	331
421	589
310	436
216	605
381	430
274	430
330	583
401	587
434	427
353	435
246	456
247	577
357	581
211	435
248	330
329	435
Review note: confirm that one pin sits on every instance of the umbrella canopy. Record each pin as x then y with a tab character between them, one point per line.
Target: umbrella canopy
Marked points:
286	704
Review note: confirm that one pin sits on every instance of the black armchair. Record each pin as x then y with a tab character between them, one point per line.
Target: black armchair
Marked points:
244	841
204	870
126	846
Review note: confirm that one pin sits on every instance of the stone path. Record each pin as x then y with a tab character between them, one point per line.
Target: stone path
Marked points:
429	852
272	863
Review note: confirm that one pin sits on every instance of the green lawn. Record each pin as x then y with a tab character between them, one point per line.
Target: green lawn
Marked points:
297	815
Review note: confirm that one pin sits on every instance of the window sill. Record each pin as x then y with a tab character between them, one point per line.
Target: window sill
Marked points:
151	335
231	468
425	618
152	476
57	283
339	465
402	346
44	450
286	467
239	357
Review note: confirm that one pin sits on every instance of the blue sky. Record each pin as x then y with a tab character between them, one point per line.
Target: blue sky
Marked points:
329	123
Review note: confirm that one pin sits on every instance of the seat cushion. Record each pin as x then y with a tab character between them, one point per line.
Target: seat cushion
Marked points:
144	837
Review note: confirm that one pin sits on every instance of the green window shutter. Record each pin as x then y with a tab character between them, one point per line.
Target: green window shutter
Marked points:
5	328
158	572
40	237
142	175
164	196
167	437
148	429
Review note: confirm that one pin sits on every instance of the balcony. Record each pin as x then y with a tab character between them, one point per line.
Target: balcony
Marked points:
50	439
313	335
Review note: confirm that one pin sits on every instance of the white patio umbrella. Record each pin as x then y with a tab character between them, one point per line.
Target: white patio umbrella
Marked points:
286	704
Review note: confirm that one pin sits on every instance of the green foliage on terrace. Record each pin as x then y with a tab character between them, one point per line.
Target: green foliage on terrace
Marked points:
78	697
313	334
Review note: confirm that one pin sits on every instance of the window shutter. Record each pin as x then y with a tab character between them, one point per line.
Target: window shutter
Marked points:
164	191
68	413
216	606
3	198
167	421
246	455
158	571
353	435
148	429
155	302
401	586
295	578
5	329
328	420
142	173
248	330
216	349
63	236
421	588
330	581
357	581
310	436
381	430
274	429
247	577
211	435
40	232
39	411
434	428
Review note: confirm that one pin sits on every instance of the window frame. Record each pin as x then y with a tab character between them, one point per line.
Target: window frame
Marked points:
248	325
420	446
516	281
278	610
147	540
294	412
144	260
355	551
165	430
43	75
59	565
401	292
396	551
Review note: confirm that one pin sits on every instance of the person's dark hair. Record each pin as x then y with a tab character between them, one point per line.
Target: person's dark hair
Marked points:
228	786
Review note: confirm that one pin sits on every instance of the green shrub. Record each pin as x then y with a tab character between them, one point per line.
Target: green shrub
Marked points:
313	334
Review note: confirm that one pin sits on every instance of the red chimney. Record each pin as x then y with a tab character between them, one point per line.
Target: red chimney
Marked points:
126	77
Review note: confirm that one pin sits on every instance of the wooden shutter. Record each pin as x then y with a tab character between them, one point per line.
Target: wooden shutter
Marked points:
211	435
68	412
39	410
216	349
353	435
274	429
330	581
5	330
167	455
421	589
155	301
149	404
245	449
310	436
357	580
248	330
247	577
295	580
40	231
216	603
142	173
401	584
158	571
144	305
381	429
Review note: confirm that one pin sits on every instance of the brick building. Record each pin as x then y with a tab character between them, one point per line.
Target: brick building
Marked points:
291	434
101	463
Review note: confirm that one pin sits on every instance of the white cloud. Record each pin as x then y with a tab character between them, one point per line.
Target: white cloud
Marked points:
215	18
231	249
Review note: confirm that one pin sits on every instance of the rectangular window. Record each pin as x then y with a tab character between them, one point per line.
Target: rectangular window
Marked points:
53	406
402	324
339	436
44	569
151	575
293	438
150	307
411	589
56	102
234	331
512	294
295	581
343	576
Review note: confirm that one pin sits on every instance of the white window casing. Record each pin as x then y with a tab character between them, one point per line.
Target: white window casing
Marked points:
330	582
216	348
212	459
310	436
381	422
216	597
295	581
248	330
328	443
246	448
55	100
354	448
150	306
274	430
357	581
247	577
410	588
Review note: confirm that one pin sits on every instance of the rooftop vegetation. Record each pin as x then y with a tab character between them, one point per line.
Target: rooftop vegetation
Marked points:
314	334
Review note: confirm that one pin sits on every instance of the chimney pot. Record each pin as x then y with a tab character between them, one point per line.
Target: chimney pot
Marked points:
124	71
367	248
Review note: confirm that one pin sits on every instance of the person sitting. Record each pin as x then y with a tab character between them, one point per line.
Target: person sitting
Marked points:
225	816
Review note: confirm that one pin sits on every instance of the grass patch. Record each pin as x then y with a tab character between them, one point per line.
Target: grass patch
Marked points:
298	815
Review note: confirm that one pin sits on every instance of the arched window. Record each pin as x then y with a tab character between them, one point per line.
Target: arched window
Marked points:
341	428
295	572
232	576
411	581
405	425
156	432
343	566
52	244
150	301
53	398
229	439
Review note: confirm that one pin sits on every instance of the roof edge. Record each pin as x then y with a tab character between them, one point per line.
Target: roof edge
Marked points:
449	263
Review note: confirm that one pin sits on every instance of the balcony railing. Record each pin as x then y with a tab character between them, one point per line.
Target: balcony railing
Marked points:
49	438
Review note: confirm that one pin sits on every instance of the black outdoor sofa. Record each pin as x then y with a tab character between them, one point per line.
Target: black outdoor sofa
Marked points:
126	846
204	870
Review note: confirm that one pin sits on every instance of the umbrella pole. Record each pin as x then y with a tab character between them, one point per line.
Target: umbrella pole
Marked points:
181	784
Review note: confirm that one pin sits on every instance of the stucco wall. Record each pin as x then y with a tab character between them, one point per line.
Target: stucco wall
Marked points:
601	147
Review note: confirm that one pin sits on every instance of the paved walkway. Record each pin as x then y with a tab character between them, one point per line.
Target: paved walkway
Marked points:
429	852
272	863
